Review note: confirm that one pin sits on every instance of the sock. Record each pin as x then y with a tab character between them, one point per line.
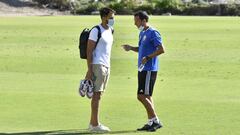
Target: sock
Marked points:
155	120
150	122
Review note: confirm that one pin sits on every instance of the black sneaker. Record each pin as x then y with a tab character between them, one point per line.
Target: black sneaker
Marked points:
154	127
146	127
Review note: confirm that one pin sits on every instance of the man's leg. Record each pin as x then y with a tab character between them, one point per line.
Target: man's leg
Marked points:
151	100
94	107
153	121
99	80
147	102
146	82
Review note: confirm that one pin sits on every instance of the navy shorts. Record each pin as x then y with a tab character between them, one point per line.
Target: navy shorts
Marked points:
146	81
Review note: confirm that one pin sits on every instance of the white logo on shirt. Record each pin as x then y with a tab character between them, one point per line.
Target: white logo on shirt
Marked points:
144	37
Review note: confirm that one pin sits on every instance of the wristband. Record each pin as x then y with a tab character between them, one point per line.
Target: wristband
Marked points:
148	58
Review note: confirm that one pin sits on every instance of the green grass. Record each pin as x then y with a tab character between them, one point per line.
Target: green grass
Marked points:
197	91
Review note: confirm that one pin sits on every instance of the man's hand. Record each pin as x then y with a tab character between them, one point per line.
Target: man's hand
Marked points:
145	59
127	47
89	75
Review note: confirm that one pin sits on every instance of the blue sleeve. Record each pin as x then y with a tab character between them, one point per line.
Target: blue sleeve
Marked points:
156	38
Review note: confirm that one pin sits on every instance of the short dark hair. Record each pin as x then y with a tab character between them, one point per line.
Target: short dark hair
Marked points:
142	15
105	11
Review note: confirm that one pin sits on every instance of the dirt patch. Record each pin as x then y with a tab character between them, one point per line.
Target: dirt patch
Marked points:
26	8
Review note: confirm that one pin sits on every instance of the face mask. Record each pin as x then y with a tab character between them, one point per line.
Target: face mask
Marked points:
141	28
110	22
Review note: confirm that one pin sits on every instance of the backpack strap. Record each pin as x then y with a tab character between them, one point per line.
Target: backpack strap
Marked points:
99	34
112	30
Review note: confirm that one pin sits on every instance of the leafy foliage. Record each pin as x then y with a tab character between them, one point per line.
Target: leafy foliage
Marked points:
175	7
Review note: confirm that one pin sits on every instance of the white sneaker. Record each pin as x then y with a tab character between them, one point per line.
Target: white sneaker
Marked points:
98	129
90	89
82	88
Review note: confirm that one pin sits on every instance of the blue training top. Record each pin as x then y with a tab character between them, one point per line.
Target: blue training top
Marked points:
149	41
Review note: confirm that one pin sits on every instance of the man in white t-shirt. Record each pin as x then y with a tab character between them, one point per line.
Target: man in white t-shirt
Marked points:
98	59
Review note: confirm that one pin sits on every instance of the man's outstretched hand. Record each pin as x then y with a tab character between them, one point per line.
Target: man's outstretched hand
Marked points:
127	47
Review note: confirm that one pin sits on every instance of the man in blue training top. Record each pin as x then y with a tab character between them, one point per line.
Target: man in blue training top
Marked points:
149	47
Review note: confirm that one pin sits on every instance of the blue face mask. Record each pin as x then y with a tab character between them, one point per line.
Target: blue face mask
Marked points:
110	22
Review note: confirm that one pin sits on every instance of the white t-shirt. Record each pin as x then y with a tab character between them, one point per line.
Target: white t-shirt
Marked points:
102	53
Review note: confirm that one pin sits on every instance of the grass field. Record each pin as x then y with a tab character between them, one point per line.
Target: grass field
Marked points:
197	91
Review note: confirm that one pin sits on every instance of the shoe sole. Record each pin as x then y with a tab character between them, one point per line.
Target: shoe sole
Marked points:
154	129
82	93
89	95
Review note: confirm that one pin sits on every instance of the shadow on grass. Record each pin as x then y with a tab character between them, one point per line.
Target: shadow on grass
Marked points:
67	132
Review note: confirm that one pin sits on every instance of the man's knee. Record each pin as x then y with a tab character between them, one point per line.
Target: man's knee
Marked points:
140	97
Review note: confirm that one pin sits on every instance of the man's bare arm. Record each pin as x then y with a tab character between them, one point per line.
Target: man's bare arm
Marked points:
90	47
129	47
159	51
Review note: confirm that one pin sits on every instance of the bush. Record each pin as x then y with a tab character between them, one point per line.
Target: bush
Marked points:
200	10
148	8
165	6
231	9
127	7
121	8
90	8
56	4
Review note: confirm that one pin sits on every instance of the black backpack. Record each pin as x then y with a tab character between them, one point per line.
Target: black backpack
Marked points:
83	40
